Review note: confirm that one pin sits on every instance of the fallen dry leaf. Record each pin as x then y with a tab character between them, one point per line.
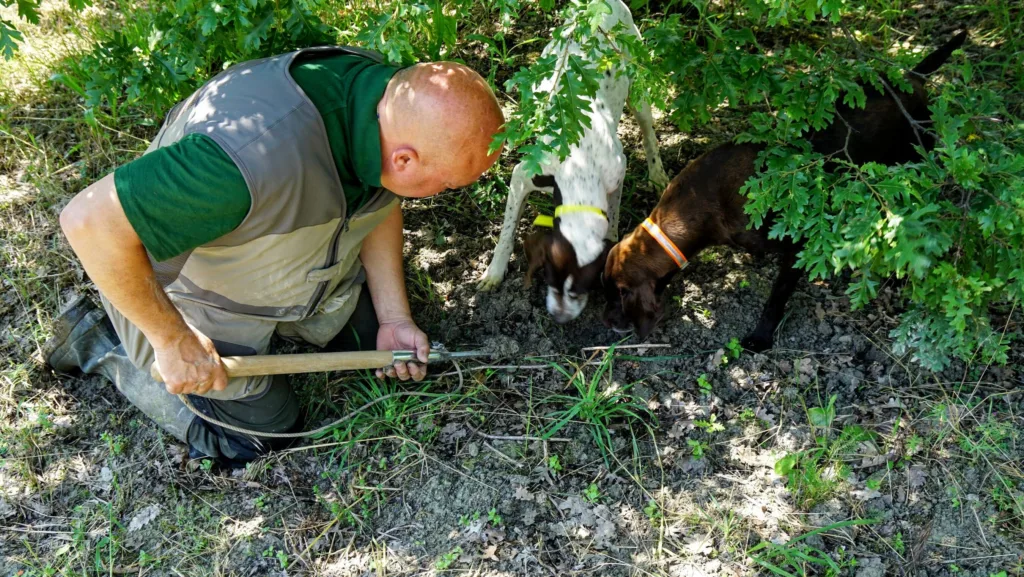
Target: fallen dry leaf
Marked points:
763	415
698	545
488	553
143	517
865	494
916	475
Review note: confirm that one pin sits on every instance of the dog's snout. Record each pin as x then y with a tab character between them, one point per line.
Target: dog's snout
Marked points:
564	308
561	317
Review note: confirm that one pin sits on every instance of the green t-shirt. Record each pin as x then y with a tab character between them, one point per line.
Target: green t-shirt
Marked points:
189	193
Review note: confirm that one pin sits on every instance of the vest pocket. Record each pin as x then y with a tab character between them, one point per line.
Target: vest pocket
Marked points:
324	274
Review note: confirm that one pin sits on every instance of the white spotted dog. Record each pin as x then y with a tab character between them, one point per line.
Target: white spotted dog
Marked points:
587	187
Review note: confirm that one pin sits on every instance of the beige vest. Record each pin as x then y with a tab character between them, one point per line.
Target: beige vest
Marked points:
292	264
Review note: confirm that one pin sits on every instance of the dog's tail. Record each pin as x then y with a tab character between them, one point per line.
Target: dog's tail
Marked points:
933	61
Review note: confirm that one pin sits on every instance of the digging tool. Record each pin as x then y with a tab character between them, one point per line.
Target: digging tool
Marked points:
258	365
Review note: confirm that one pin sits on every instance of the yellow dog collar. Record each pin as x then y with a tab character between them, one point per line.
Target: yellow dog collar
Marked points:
544	220
548	221
567	208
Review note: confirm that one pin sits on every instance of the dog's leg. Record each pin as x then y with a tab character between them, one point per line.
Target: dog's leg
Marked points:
614	203
519	188
761	338
655	171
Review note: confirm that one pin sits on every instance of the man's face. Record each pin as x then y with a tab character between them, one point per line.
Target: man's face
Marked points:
417	179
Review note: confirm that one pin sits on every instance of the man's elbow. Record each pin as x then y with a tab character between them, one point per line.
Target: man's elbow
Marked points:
94	211
75	220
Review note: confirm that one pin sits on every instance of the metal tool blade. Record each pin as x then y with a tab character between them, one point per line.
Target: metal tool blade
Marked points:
441	355
467	354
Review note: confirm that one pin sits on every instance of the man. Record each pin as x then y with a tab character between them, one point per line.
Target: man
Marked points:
265	203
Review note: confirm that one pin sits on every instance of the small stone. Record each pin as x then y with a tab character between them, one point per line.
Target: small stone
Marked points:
851	378
825	329
870	567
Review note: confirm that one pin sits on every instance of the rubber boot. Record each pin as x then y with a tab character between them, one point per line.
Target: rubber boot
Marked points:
84	340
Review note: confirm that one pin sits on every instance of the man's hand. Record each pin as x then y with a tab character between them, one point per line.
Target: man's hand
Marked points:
381	256
114	258
403	334
190	365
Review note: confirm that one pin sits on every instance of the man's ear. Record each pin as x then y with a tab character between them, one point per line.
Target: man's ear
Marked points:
536	252
404	157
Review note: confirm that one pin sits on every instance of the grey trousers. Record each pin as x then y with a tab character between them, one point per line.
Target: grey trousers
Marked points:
100	348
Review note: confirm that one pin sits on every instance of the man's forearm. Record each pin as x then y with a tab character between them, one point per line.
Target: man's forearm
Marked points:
381	256
113	256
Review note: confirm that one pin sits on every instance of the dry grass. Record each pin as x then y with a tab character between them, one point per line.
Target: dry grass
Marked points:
81	465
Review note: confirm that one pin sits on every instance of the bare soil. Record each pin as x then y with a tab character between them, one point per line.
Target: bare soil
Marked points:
927	464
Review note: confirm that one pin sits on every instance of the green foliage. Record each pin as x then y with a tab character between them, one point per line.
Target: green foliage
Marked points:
281	556
115	444
814	474
592	494
711	424
10	37
897	543
552	109
164	52
653	511
823	416
448	559
697	448
704	384
992	437
797	557
555	464
405	415
599	406
734	347
951	225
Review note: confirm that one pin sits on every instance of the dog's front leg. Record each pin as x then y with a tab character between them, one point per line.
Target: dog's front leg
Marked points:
762	337
655	170
519	188
614	202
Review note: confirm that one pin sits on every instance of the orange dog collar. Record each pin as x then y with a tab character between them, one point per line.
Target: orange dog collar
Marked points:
665	242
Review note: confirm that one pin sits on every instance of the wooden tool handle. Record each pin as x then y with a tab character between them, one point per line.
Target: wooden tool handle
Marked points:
304	363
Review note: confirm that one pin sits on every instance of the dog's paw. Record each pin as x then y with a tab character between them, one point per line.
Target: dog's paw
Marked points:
489	282
756	343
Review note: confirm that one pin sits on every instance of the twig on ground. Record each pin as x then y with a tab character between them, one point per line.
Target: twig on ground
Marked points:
500	368
650	346
526	438
503	456
981	530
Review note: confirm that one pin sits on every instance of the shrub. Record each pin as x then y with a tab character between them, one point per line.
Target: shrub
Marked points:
950	227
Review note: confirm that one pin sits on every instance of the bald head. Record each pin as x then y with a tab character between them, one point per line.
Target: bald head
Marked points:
437	120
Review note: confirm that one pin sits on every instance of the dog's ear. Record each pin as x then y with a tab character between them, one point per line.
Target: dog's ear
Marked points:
536	252
642	306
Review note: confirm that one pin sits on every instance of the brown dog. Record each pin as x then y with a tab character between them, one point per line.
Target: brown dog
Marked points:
702	207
